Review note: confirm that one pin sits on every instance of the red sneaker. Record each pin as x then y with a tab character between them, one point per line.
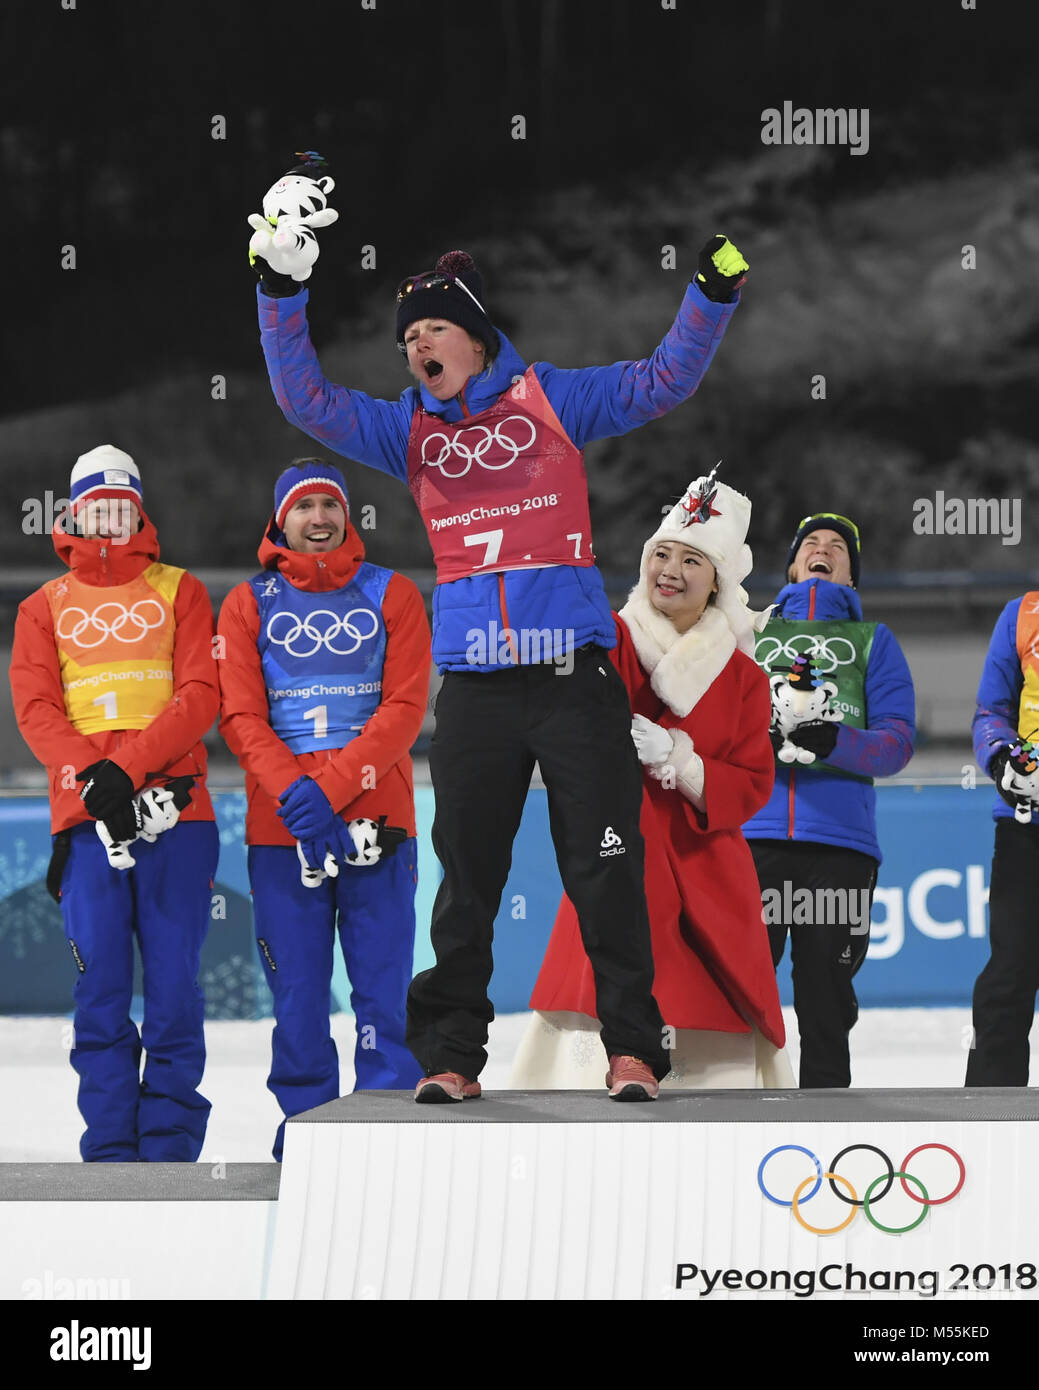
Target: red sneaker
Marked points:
631	1079
444	1086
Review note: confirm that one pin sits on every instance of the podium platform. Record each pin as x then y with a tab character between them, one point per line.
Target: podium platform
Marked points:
85	1232
707	1195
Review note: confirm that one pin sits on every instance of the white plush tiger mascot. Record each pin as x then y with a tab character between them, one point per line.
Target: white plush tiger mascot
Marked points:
292	208
1021	779
800	696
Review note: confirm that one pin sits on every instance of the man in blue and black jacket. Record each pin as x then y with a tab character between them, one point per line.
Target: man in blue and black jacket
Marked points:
491	449
1005	726
819	830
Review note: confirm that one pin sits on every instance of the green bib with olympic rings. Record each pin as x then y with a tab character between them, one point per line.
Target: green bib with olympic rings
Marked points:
840	650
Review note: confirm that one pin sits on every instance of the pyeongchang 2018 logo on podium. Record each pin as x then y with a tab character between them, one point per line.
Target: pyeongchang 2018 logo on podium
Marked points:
861	1177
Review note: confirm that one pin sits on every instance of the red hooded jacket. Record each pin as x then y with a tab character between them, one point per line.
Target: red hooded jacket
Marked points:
385	742
170	743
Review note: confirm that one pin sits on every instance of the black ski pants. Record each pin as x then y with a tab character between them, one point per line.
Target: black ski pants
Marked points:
490	730
1004	992
825	954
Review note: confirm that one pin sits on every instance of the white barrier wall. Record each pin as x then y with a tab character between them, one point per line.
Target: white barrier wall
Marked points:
656	1202
98	1232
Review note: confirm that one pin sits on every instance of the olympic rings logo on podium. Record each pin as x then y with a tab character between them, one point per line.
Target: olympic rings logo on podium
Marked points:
825	652
870	1197
133	617
322	638
457	448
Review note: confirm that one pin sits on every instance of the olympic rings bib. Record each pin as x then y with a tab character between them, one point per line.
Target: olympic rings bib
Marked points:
839	650
504	489
115	648
322	656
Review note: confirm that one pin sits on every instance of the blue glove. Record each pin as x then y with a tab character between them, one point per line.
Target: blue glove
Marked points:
308	815
315	852
339	844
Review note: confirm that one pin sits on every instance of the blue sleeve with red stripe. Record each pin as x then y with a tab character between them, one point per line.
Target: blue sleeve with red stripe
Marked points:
374	432
999	690
598	402
886	744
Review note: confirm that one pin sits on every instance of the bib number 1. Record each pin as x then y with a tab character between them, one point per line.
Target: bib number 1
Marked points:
107	702
319	714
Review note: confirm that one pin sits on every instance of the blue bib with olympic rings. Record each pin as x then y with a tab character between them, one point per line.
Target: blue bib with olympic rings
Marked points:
322	656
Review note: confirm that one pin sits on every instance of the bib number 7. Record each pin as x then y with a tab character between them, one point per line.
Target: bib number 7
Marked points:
492	540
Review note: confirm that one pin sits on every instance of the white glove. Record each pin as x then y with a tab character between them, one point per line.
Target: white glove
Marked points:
652	743
364	834
310	877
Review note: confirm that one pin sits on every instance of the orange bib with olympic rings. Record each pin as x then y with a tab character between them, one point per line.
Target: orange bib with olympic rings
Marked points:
115	648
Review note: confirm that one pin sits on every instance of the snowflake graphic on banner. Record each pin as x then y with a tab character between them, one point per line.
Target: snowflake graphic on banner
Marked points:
230	817
21	923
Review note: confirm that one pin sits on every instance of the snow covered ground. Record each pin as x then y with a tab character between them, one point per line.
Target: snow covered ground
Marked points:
890	1048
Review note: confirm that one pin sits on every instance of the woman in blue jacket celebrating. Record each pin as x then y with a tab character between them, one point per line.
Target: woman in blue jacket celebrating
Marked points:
844	697
491	450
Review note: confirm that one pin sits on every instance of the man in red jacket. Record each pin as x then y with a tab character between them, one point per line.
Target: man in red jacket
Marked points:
325	680
114	686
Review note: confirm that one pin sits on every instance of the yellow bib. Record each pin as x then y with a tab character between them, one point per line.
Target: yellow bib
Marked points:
115	648
1028	651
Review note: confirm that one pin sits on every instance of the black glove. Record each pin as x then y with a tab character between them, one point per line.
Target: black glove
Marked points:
273	283
710	277
56	868
108	789
124	823
818	736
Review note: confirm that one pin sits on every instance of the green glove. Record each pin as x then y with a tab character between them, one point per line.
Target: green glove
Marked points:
722	270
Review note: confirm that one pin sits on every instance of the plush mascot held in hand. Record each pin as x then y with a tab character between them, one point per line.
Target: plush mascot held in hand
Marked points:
1020	777
292	208
800	696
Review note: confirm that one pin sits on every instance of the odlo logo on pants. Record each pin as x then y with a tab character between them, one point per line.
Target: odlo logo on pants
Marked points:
611	843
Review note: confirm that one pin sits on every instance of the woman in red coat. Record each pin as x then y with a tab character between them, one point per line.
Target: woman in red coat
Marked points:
701	713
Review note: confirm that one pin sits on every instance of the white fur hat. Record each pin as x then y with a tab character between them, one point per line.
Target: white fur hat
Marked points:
713	519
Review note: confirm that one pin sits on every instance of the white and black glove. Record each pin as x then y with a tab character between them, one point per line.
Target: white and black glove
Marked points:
652	742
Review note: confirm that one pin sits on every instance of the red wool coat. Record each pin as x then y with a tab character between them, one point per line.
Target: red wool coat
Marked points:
710	946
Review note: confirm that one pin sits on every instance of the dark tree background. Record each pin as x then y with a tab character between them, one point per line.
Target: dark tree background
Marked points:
643	129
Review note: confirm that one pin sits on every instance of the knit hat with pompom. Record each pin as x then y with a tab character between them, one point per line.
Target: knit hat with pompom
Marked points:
439	294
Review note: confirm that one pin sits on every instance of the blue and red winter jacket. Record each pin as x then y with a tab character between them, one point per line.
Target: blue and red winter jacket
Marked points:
995	722
826	808
591	403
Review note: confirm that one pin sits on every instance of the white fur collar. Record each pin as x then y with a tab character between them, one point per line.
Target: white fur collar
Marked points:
682	666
